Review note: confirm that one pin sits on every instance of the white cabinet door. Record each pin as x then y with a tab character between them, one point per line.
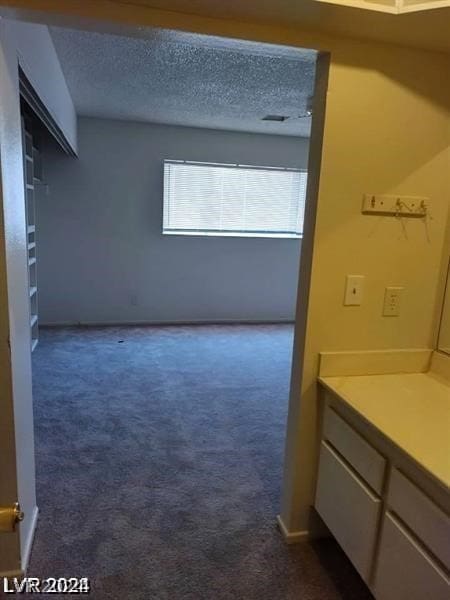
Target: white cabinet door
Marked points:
421	515
404	571
349	509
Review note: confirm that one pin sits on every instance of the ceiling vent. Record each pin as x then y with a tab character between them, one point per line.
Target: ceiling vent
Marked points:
276	118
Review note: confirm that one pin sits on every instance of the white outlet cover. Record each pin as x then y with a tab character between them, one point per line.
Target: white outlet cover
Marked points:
392	300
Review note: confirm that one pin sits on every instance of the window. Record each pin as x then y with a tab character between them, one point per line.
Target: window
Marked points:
233	200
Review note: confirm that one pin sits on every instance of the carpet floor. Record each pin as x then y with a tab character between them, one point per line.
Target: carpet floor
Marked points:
159	458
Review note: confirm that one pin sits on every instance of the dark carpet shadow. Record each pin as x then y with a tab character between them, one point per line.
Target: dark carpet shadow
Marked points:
340	570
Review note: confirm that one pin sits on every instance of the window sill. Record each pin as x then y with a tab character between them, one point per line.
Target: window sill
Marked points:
283	236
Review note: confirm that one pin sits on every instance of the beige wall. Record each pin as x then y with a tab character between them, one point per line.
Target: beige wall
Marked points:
386	131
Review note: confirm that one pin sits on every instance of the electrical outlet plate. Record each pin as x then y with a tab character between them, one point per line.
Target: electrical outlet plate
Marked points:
397	206
392	298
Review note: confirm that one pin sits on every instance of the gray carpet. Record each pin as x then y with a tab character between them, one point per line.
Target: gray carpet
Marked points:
159	457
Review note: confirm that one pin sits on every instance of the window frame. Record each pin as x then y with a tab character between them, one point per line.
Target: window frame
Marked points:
219	233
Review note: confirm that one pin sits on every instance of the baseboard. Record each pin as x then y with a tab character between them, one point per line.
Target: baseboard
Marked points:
29	542
440	364
292	537
167	323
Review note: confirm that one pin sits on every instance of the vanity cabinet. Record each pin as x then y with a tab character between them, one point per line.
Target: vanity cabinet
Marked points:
420	515
349	508
404	570
395	534
360	455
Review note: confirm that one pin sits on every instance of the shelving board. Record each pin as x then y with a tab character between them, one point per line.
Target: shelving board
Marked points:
32	170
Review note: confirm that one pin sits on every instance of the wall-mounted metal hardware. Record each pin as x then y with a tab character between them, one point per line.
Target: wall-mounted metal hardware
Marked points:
395	206
10	516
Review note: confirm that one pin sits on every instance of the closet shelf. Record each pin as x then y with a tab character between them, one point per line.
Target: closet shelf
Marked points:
32	176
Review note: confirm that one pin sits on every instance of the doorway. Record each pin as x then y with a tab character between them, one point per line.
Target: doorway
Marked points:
222	554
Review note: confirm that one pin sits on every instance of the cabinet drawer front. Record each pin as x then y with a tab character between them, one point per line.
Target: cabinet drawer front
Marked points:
421	515
360	454
348	508
404	571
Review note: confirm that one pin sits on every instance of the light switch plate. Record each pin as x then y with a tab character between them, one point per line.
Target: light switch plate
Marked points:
354	290
392	299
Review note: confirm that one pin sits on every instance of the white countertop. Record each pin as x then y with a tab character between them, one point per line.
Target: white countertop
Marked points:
412	410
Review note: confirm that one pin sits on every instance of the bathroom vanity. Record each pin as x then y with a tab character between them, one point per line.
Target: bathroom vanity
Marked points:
383	480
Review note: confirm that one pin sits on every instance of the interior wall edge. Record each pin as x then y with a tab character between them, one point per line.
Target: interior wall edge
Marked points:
289	513
18	456
443	287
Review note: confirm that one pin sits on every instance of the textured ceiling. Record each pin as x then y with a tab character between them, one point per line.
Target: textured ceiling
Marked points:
187	79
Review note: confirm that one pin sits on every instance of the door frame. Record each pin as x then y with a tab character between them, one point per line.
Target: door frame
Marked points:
19	458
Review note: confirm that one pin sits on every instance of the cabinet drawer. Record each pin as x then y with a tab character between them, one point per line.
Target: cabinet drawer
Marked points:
360	454
421	515
404	571
348	508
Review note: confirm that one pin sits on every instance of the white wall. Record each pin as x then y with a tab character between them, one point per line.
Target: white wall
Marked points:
102	257
40	63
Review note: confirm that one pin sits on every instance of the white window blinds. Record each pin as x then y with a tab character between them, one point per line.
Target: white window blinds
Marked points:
237	200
